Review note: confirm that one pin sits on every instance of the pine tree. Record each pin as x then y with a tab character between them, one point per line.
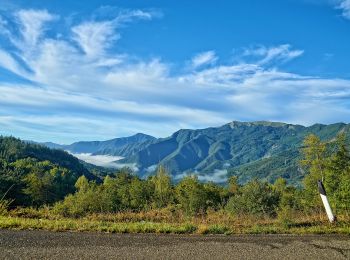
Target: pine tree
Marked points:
163	192
314	162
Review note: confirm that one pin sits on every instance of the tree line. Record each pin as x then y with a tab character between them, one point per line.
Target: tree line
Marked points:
31	181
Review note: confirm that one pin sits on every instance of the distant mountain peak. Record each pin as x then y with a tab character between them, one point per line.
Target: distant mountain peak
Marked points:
142	135
234	124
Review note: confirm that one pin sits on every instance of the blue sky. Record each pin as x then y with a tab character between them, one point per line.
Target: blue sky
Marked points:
94	70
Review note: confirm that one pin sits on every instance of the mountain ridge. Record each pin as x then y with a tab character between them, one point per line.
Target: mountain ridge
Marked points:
115	146
246	149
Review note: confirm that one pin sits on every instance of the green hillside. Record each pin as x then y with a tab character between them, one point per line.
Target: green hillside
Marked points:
265	150
34	174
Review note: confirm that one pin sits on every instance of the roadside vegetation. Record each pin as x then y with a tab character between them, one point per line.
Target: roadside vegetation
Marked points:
39	194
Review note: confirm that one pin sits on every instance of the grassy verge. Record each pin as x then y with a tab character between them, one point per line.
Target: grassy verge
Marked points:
192	227
90	225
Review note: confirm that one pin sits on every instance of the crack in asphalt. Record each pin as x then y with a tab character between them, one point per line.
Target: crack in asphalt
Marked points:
339	250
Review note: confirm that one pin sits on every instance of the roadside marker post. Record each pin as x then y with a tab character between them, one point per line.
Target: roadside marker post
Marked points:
326	205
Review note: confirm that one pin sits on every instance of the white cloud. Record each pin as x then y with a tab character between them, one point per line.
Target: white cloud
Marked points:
344	5
99	160
218	176
32	26
128	16
95	37
107	161
180	176
204	58
281	53
151	168
84	89
8	62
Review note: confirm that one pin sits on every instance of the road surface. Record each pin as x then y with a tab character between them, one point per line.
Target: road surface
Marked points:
69	245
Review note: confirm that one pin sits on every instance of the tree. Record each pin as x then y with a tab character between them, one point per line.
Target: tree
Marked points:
280	185
88	199
191	195
140	194
123	180
337	176
233	185
163	190
216	195
256	198
43	181
82	184
110	194
39	188
314	163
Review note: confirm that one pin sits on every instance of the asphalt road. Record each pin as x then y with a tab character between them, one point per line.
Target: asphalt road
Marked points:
68	245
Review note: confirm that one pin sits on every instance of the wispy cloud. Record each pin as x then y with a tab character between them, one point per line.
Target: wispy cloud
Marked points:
130	15
82	88
344	5
32	26
94	37
204	58
281	53
8	62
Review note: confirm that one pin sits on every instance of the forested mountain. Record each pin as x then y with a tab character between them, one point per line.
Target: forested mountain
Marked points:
12	149
264	150
34	174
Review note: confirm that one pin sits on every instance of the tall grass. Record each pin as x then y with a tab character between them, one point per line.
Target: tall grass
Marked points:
167	221
4	204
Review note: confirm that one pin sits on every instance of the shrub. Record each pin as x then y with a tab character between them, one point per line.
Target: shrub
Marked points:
255	198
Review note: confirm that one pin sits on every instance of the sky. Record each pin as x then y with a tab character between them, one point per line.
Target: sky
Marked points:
96	70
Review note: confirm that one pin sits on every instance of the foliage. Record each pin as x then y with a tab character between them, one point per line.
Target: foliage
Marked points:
191	195
329	162
337	176
34	182
163	190
256	198
37	175
82	202
314	163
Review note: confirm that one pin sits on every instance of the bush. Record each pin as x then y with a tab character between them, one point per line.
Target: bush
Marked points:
192	196
255	198
88	199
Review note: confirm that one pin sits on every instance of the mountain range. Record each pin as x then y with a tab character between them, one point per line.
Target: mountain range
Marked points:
125	146
264	150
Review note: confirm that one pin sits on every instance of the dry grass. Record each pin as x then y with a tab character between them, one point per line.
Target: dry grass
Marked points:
170	221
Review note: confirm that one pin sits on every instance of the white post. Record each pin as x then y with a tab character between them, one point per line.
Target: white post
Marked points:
326	205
